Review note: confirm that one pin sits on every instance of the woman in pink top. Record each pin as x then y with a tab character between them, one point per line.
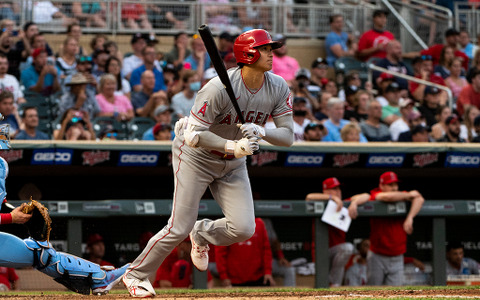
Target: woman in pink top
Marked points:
112	105
455	82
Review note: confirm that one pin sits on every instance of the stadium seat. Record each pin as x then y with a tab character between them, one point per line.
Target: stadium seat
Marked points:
348	63
138	125
122	128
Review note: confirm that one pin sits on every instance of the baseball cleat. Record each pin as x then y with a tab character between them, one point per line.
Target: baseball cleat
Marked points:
138	288
112	278
199	255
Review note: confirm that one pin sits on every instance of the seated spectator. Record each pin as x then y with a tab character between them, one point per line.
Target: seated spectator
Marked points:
318	71
67	62
162	115
455	81
9	82
25	44
9	10
225	43
372	128
231	260
476	125
335	122
8	279
465	44
108	133
391	112
112	105
198	60
253	14
337	41
353	82
425	72
302	88
393	62
99	57
134	16
74	30
149	55
90	14
135	60
474	67
359	104
383	81
179	51
46	12
420	134
39	41
314	132
470	94
446	58
321	113
97	42
41	77
114	66
453	131
467	130
284	65
78	97
183	102
300	120
145	101
218	17
172	80
112	49
457	263
356	267
351	132
431	103
7	43
330	87
84	67
168	16
372	43
408	119
96	250
9	112
162	132
75	125
439	128
30	124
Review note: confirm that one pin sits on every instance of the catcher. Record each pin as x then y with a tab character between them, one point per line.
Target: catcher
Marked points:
75	273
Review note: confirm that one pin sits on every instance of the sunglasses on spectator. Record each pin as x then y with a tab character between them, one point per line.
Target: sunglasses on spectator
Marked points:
426	57
76	119
322	67
111	134
85	59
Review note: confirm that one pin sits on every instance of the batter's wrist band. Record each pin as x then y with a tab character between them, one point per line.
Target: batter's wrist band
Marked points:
230	147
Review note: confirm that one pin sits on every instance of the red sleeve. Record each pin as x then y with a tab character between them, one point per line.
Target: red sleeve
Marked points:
6	218
434	52
362	43
12	276
463	99
221	257
373	193
267	251
407	260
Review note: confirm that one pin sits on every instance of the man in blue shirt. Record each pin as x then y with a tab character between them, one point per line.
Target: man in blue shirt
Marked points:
337	41
9	112
149	53
41	77
30	119
335	122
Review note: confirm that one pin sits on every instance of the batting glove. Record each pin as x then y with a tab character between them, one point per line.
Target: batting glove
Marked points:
179	126
242	147
251	130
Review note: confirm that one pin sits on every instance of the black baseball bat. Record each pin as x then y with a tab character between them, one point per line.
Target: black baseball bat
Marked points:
217	61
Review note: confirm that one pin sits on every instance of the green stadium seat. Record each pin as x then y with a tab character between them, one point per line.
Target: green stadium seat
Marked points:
138	125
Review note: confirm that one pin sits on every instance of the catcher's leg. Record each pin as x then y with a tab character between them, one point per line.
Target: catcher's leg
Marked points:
75	273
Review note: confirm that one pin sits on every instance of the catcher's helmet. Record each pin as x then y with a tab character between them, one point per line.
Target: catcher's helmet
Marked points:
246	44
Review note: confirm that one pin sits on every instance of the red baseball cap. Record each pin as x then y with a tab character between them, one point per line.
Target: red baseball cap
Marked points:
93	239
330	183
388	177
36	52
386	76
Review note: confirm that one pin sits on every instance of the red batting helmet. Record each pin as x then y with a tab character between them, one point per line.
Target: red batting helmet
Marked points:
246	44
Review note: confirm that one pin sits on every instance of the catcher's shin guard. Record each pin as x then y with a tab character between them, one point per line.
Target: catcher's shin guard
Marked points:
75	273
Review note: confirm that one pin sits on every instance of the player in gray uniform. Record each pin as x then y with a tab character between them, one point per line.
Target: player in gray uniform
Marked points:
209	151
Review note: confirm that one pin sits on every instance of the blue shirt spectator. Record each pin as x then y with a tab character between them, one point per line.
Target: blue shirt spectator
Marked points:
137	75
335	122
39	135
32	77
336	42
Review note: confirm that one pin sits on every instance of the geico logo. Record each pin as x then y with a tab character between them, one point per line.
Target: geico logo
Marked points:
50	156
385	160
464	160
312	160
134	158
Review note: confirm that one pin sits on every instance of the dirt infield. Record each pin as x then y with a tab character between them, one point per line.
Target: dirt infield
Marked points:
314	294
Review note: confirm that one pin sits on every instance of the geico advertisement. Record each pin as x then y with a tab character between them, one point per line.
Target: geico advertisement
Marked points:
52	157
138	158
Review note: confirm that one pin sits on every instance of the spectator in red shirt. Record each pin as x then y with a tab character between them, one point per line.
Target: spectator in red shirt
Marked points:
425	72
247	263
96	250
388	235
452	37
372	43
338	249
8	279
470	94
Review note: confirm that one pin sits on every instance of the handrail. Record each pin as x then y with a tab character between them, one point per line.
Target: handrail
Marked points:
411	78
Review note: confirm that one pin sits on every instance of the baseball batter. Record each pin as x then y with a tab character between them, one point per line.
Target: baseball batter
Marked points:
209	152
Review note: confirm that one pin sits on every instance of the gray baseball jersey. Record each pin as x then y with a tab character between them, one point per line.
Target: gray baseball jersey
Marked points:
196	169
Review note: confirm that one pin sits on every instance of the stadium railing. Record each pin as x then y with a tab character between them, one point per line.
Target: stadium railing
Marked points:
467	17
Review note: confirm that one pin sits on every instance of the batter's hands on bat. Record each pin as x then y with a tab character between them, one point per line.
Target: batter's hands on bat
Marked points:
18	217
179	126
251	130
242	147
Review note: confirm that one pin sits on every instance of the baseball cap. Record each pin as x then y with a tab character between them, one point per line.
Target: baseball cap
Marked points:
419	129
319	61
302	72
161	109
138	36
311	126
392	87
297	100
93	239
379	12
280	38
386	76
226	36
36	52
451	31
404	102
161	127
431	90
388	177
413	115
351	90
451	119
330	183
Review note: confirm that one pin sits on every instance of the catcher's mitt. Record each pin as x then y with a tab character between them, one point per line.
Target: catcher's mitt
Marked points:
40	224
